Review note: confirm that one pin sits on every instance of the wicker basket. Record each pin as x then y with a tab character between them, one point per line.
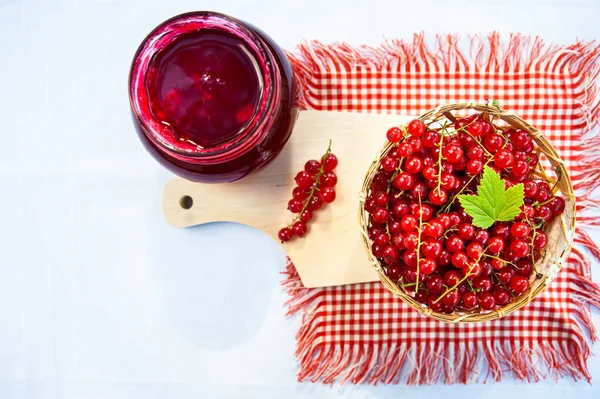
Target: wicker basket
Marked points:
560	231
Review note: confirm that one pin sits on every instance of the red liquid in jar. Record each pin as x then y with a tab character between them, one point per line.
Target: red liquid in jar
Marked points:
213	98
204	85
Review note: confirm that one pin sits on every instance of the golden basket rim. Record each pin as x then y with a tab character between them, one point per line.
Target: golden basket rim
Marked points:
563	227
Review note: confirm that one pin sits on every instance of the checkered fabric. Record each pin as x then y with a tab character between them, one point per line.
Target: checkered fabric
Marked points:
362	333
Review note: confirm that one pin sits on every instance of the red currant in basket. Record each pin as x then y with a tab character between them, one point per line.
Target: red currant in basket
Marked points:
519	284
416	128
394	134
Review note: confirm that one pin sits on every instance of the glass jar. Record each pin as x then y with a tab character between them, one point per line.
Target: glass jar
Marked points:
212	98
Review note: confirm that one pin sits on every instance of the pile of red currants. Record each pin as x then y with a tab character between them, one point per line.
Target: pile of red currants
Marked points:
314	188
428	244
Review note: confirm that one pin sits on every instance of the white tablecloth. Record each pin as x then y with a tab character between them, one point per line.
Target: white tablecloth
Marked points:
99	297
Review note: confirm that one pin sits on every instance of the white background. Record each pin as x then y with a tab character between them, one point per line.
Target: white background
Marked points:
99	298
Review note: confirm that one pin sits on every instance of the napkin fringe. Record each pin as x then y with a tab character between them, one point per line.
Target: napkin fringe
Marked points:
428	363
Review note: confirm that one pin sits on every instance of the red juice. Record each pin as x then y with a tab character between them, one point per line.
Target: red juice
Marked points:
212	98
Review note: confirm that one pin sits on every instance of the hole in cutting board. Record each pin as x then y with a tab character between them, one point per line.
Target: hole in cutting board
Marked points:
186	202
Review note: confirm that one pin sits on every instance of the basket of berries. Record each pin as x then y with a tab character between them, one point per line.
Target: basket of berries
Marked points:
467	213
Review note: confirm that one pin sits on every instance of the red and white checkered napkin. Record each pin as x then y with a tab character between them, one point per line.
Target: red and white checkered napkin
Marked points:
362	333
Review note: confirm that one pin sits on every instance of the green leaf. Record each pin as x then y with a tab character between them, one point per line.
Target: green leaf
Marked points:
492	203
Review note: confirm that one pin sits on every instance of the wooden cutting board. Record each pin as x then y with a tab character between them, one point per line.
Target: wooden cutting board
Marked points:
332	252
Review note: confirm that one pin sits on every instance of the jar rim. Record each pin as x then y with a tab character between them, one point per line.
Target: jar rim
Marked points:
163	35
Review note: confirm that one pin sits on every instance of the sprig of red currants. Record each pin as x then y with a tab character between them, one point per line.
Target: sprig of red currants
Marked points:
314	188
426	241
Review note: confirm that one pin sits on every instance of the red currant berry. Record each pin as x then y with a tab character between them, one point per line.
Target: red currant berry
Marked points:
486	268
377	250
521	139
381	215
544	212
505	274
519	247
498	264
455	244
390	254
444	258
452	153
455	219
519	230
501	296
557	205
395	227
401	208
540	240
466	231
416	128
520	168
330	162
431	248
404	181
389	164
451	278
542	195
370	205
419	190
430	139
285	234
329	179
469	300
460	259
299	194
474	167
312	167
299	229
410	259
411	241
503	159
394	134
483	284
397	240
496	245
444	220
424	211
482	237
519	284
493	143
421	297
476	129
435	284
327	195
430	173
434	304
460	123
404	150
409	222
295	206
306	215
475	153
487	301
382	239
304	180
416	143
438	196
413	164
502	230
381	198
451	298
524	267
394	271
474	250
427	266
315	203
